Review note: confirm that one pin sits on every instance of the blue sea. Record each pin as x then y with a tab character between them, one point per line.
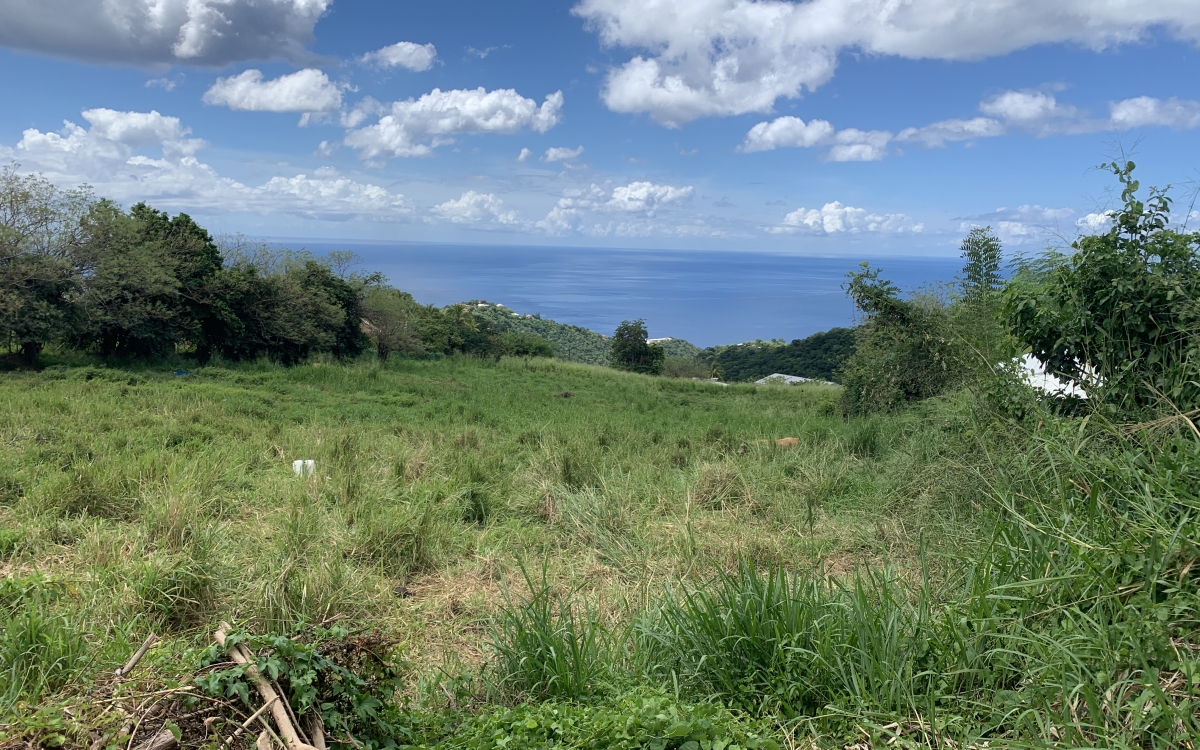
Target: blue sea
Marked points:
708	298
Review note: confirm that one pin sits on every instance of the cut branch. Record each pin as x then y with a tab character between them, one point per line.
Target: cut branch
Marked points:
242	655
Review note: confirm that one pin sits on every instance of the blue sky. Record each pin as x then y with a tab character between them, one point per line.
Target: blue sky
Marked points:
830	127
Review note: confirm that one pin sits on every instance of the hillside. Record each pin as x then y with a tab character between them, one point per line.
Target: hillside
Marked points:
818	356
572	343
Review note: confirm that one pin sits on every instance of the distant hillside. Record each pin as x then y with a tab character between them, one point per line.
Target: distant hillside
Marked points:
817	356
680	348
570	342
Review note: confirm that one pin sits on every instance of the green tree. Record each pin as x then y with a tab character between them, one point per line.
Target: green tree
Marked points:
130	304
39	227
981	273
1119	315
904	351
979	317
393	321
631	352
194	259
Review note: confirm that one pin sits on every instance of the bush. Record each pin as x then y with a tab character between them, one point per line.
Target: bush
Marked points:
1120	315
905	350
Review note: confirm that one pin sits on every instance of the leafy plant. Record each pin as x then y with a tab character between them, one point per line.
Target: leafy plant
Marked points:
350	681
1119	315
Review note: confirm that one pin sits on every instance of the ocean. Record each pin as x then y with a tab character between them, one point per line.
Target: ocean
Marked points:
707	298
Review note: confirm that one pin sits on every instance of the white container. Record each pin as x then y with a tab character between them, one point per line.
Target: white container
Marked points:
304	467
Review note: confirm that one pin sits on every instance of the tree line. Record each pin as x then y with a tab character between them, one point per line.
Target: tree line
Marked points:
81	273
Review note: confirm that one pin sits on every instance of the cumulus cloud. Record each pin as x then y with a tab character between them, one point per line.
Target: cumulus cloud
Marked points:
787	131
132	156
475	208
1032	111
162	32
410	55
835	218
850	144
524	155
416	127
308	90
562	153
728	57
1181	114
589	210
1094	223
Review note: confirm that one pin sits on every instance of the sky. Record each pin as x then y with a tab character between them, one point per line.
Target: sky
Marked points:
824	127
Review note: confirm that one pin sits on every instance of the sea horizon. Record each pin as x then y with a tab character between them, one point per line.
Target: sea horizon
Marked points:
707	297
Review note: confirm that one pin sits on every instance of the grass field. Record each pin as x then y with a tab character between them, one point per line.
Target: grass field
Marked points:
542	539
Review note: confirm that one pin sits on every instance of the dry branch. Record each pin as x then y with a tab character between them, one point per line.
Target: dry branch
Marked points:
238	732
137	656
242	655
164	740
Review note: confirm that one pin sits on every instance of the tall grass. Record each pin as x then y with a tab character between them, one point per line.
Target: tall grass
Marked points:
1077	625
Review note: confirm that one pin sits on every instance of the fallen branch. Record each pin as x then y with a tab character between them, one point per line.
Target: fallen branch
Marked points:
282	720
164	740
238	732
316	728
137	656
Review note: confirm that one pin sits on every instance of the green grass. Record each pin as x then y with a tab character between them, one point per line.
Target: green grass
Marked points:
557	537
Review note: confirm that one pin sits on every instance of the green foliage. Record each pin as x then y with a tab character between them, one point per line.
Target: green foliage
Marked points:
905	348
981	272
1120	315
41	649
393	318
631	352
547	649
646	719
818	356
571	343
351	682
39	225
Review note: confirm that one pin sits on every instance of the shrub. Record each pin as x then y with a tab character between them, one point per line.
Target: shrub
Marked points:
1120	315
905	350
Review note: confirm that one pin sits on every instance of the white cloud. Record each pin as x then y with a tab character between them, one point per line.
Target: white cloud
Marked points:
132	156
1181	114
836	218
588	211
417	126
1095	222
850	144
475	208
787	131
308	90
166	84
1021	225
365	109
939	134
410	55
853	144
524	155
699	58
562	153
162	32
646	197
1037	112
